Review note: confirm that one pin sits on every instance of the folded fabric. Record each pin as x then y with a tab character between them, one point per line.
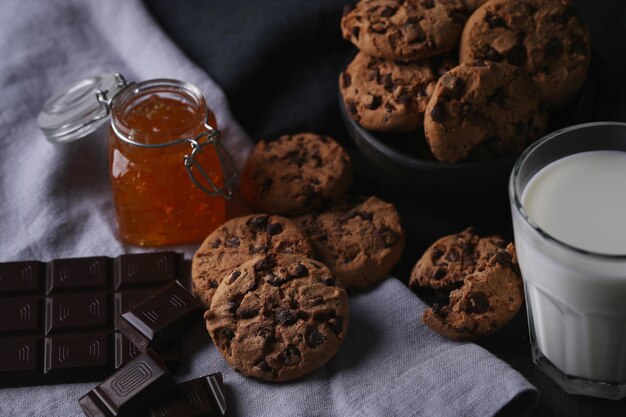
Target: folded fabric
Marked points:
56	199
389	365
56	202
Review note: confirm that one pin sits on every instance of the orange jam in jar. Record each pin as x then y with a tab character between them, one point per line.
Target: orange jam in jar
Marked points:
156	201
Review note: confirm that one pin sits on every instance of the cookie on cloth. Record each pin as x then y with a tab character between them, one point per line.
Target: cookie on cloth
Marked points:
235	242
295	174
360	241
542	37
405	31
483	110
451	259
278	317
486	301
385	95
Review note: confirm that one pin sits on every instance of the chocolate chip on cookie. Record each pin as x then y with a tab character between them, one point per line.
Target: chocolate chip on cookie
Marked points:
542	37
404	31
295	174
386	95
483	110
235	242
359	241
487	300
471	5
448	261
444	63
278	317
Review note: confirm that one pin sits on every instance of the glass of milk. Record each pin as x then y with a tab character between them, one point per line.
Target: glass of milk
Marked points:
568	199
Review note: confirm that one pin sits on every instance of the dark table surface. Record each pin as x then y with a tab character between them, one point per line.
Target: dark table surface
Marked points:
278	63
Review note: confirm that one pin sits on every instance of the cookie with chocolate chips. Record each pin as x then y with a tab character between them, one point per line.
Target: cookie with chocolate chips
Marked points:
278	317
359	241
483	110
235	242
386	95
486	301
542	37
404	30
295	174
448	261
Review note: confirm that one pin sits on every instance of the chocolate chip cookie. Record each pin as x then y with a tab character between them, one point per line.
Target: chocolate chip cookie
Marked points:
448	261
488	299
483	110
404	30
386	95
235	242
278	317
359	241
295	174
542	37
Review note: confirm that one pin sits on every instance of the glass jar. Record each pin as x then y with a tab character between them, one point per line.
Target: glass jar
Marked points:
167	167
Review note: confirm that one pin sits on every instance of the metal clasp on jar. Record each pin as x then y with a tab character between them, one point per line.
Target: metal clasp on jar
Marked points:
211	138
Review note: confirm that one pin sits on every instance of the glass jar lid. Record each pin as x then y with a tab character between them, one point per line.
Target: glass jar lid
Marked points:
79	109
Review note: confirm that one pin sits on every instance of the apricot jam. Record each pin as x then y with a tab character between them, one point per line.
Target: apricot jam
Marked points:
156	201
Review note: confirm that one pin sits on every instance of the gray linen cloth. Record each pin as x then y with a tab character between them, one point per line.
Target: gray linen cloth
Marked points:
55	201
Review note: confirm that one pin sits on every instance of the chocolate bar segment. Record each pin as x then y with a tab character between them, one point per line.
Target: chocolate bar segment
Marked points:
20	314
201	397
21	276
76	352
20	355
64	312
161	318
77	273
131	389
57	320
146	268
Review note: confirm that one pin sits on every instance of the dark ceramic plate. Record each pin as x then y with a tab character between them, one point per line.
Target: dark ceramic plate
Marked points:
404	162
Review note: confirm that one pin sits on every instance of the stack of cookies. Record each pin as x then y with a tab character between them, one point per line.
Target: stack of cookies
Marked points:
479	86
275	283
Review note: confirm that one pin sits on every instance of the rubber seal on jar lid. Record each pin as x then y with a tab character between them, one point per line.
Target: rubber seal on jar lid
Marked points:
80	109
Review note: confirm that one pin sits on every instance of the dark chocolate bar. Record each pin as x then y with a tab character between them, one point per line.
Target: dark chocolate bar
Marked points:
131	389
161	318
57	319
201	397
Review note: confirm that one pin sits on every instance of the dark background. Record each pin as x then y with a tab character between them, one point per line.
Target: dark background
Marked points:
278	62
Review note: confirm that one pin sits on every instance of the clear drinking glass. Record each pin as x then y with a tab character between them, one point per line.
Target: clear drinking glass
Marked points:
575	299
